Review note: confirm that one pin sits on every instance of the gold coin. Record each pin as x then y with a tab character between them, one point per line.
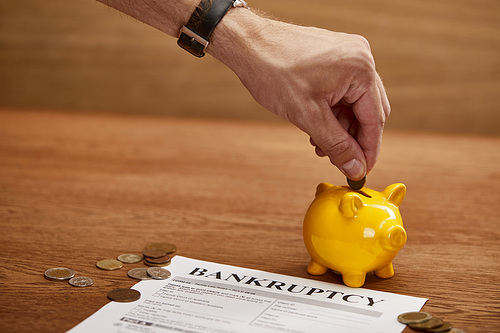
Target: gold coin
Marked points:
158	273
124	295
414	317
455	330
59	274
81	281
129	258
154	253
167	247
446	327
109	264
356	185
139	273
427	325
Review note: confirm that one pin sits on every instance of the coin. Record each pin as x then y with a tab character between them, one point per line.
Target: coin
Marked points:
427	325
167	247
155	265
129	258
59	274
109	264
455	330
160	260
81	281
154	253
158	273
356	185
124	295
446	327
414	317
139	273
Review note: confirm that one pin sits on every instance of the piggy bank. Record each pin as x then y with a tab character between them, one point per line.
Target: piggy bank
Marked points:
354	232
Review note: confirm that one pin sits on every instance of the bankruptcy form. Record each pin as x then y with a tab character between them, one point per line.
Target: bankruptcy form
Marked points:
206	297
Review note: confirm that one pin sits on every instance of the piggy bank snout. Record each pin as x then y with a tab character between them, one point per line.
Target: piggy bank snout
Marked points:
395	238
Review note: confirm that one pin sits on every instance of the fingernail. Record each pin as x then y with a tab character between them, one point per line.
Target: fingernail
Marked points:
353	169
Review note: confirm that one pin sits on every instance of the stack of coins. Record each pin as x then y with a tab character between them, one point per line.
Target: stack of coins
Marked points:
425	322
156	258
157	254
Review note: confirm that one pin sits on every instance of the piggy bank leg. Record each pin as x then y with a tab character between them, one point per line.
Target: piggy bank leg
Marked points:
385	272
354	280
316	269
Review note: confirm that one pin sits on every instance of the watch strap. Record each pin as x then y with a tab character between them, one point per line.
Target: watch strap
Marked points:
195	35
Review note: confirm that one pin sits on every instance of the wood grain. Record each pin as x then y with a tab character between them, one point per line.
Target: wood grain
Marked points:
440	61
77	188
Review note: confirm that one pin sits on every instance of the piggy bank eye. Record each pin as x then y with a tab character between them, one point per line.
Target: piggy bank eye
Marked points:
350	204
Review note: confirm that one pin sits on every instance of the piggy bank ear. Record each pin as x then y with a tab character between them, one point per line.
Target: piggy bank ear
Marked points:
322	187
350	204
395	193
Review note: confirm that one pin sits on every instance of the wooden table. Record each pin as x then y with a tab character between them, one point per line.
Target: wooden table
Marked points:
77	188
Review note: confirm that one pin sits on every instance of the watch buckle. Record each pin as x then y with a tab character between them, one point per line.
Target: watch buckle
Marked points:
194	38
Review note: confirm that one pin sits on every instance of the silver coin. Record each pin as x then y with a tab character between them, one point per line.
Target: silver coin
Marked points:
129	258
158	273
139	273
59	274
81	281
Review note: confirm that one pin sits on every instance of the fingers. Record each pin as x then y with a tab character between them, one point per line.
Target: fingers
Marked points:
371	110
383	97
332	139
317	149
343	112
355	136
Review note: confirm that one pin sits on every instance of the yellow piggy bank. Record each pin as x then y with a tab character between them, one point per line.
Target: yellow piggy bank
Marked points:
354	232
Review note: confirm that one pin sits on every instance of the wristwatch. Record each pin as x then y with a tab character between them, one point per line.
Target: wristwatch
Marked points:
194	37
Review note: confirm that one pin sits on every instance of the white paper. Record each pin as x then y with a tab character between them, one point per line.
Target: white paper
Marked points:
205	297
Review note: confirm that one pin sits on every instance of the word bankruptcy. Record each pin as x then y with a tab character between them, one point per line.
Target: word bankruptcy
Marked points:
286	287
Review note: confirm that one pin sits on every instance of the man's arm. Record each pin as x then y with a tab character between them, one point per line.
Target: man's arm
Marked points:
323	82
167	16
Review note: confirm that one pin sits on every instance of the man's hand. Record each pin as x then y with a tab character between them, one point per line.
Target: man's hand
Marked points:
323	82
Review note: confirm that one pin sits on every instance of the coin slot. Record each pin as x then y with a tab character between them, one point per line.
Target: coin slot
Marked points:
358	191
364	193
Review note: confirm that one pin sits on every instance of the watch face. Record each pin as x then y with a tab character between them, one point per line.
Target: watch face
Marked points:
240	3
